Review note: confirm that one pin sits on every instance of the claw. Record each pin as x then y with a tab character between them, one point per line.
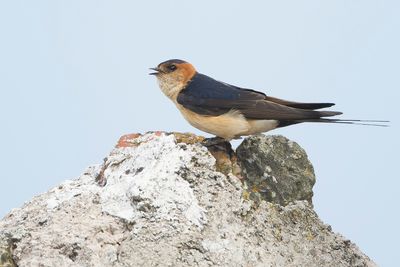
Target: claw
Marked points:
213	141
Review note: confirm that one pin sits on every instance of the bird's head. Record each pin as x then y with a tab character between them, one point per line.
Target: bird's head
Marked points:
173	75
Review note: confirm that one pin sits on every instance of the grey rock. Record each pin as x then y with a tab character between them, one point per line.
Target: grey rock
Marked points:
275	169
6	247
163	203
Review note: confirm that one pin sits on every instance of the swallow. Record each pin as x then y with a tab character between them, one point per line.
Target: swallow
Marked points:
229	111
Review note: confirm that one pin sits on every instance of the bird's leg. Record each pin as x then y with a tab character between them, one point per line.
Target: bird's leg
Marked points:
212	141
218	145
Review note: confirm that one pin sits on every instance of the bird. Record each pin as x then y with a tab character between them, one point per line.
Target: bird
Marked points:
230	112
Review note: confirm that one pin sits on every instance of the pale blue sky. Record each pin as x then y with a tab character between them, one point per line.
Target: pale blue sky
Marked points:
74	77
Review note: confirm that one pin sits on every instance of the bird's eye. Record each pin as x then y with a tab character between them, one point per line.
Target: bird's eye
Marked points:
172	67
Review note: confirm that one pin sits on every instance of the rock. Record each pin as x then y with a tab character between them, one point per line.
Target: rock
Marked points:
276	169
162	202
6	248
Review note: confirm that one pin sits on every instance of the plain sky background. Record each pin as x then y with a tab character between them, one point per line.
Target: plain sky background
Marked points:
74	78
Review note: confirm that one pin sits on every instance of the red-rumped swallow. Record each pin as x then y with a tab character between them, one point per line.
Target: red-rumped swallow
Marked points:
229	111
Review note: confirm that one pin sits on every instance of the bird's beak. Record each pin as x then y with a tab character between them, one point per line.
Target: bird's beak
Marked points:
157	71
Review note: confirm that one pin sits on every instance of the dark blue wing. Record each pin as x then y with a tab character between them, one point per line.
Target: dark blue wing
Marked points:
207	96
203	91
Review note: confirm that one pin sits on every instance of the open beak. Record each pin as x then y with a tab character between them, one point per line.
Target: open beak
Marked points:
157	71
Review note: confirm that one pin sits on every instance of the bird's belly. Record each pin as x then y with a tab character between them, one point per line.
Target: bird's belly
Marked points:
229	125
261	126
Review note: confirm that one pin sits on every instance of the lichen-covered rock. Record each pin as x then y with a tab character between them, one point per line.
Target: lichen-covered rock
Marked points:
6	247
163	203
275	169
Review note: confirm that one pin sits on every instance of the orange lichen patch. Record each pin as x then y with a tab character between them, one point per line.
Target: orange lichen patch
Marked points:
187	138
127	140
255	189
246	195
158	133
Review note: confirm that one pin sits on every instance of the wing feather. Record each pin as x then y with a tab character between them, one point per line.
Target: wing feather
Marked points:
207	96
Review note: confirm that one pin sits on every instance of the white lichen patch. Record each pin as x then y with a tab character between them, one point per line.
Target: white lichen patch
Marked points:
71	188
144	181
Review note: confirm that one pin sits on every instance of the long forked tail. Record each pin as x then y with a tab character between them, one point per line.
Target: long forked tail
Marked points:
379	123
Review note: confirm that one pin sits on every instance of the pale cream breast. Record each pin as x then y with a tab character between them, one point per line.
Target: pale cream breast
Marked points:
170	88
228	126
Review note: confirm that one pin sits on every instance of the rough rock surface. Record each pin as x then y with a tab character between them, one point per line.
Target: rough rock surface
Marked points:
276	169
158	200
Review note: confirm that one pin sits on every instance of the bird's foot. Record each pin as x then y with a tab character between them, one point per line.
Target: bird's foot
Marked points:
207	142
216	144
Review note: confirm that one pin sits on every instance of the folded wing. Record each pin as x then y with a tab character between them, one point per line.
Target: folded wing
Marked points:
209	97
